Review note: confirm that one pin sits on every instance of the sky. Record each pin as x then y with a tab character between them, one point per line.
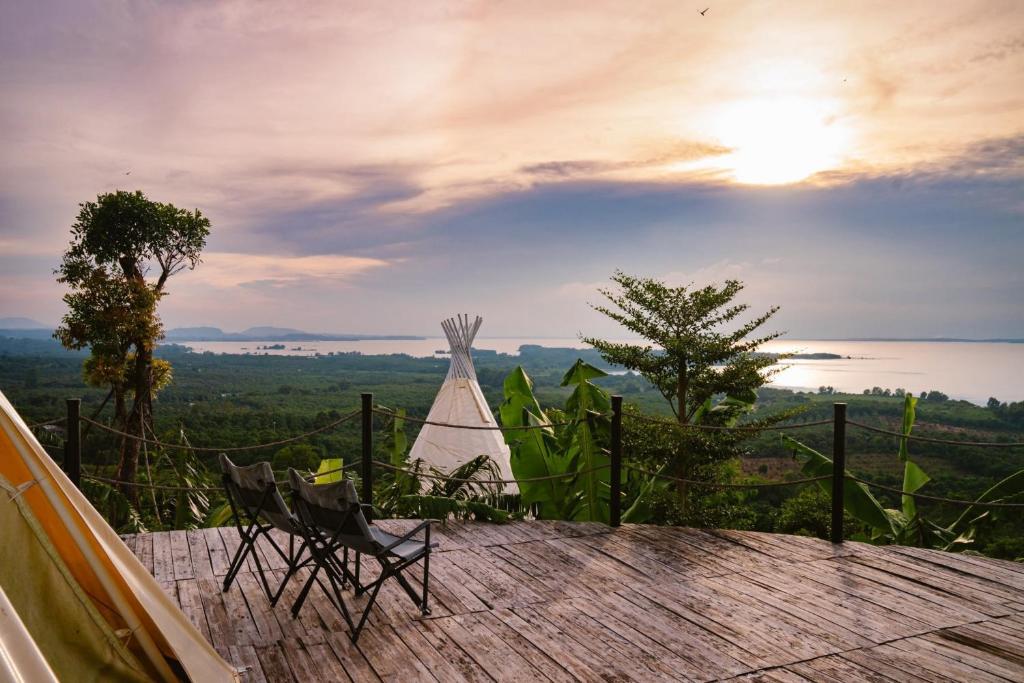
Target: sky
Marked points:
376	167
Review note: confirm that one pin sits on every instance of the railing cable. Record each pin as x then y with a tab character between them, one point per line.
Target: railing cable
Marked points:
938	499
312	476
47	423
497	428
525	480
711	484
225	449
716	428
927	439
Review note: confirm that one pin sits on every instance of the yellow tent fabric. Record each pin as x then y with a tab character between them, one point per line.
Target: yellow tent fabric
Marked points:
86	600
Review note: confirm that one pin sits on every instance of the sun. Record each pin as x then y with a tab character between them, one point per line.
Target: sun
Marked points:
776	141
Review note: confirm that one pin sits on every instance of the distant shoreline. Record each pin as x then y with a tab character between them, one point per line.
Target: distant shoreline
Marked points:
176	336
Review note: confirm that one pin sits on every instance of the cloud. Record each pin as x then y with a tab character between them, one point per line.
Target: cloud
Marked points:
427	156
226	270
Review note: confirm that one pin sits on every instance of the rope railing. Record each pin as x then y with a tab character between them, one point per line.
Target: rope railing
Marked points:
224	449
47	423
493	428
928	439
616	465
937	499
461	480
717	428
723	485
208	489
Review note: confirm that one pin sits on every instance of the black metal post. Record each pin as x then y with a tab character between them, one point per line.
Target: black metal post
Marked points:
615	511
838	469
73	442
368	453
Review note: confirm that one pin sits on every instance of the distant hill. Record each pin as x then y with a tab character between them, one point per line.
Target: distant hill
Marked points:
22	324
267	333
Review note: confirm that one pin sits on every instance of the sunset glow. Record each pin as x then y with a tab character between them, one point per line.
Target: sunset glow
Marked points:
482	140
778	141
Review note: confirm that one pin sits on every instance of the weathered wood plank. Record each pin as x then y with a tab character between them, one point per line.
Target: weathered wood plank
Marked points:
891	668
452	652
144	551
936	661
582	662
496	657
219	558
978	597
200	553
163	561
389	656
561	601
244	657
181	558
192	605
275	664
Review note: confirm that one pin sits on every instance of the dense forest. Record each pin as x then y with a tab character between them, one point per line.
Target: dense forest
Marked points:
232	400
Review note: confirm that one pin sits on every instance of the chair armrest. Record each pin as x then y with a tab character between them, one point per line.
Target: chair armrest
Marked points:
425	524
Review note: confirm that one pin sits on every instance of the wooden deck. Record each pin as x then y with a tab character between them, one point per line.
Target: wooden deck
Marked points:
533	601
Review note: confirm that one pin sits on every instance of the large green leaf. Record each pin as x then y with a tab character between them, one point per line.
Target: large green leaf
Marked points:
534	452
913	476
1009	488
913	479
581	372
326	465
399	442
909	415
858	501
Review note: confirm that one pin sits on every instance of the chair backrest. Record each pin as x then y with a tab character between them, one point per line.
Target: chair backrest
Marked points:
333	508
248	486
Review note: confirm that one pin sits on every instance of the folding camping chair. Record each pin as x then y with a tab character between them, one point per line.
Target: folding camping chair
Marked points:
331	518
258	507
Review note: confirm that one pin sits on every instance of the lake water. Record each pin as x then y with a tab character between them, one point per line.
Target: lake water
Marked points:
970	371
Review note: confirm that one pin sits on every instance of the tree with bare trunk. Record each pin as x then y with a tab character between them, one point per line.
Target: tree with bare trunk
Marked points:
123	250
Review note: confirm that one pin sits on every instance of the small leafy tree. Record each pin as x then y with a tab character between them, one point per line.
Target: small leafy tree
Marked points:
687	355
123	250
703	363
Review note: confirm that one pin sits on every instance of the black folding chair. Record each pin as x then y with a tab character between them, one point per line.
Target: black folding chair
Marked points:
258	507
332	520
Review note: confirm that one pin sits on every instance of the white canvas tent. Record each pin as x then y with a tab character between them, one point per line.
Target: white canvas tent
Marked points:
461	402
77	602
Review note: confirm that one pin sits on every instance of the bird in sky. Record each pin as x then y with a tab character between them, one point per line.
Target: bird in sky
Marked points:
704	10
128	173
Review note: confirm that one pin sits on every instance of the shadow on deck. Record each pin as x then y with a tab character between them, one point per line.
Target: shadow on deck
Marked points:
550	600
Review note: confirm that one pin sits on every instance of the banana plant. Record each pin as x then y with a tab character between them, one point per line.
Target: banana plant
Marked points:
906	526
962	531
562	449
566	450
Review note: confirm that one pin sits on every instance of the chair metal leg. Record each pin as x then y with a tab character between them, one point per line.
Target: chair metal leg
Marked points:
359	586
236	564
369	605
425	608
305	591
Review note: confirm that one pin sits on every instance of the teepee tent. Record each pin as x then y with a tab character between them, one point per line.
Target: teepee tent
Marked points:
74	590
461	402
